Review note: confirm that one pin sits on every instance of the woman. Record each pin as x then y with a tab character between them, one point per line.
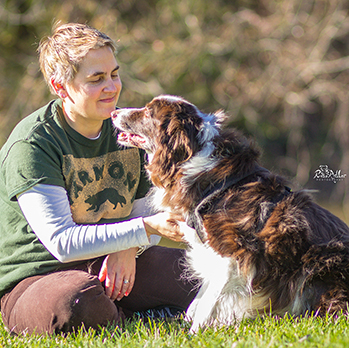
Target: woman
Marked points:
73	212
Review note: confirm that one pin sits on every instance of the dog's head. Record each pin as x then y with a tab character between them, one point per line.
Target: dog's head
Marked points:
170	129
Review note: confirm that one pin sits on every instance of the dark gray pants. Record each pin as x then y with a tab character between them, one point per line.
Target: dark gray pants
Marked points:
64	300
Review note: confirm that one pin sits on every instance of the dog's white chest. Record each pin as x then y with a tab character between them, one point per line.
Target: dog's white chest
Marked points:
225	294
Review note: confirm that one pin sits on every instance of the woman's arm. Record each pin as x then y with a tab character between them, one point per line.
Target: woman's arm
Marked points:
47	210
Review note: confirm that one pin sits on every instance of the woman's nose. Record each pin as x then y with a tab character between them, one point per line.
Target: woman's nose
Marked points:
111	85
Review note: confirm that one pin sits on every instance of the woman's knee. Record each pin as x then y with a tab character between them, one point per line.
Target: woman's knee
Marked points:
60	302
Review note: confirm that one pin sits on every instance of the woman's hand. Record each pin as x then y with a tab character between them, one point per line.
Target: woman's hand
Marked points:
119	271
164	225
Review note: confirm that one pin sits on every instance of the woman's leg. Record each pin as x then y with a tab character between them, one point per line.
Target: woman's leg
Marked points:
61	301
159	281
58	302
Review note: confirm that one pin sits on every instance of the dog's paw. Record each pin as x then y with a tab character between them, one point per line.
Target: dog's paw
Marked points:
193	329
190	235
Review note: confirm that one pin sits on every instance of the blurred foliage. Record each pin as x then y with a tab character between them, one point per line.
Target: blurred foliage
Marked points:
279	68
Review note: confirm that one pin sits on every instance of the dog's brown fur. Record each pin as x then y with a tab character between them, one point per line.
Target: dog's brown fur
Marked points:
294	248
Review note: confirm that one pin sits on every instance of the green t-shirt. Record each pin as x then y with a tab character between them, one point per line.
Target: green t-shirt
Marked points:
101	178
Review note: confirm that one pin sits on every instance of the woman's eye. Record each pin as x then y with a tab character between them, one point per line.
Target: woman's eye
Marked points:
97	80
100	79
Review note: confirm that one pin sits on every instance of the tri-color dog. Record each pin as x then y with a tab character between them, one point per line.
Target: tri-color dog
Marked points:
260	247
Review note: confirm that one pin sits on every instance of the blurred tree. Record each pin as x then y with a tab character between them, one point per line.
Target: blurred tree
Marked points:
280	68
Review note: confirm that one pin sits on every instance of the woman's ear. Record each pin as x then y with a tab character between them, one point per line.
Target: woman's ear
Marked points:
59	89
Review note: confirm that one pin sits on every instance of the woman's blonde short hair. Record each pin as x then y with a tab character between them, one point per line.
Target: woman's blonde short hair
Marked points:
62	52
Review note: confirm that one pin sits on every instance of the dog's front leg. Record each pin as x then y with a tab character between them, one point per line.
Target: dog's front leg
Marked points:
192	307
202	308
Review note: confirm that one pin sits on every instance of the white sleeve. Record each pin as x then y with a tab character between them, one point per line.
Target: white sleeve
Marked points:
47	210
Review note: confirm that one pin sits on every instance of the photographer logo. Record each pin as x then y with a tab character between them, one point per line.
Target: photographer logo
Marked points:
326	174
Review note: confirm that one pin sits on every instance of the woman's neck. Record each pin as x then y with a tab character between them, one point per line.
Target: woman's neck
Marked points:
88	128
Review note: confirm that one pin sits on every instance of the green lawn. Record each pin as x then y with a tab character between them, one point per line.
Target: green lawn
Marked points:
269	332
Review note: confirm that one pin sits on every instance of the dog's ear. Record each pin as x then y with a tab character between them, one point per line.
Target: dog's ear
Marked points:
221	117
177	143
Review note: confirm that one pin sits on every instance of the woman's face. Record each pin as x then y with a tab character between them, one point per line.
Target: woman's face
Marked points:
93	93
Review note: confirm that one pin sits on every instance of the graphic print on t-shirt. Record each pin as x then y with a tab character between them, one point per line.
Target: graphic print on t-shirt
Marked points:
109	194
102	187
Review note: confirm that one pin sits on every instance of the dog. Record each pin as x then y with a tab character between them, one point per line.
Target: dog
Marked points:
259	248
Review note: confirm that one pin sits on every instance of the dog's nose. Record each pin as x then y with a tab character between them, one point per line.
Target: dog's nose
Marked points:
114	114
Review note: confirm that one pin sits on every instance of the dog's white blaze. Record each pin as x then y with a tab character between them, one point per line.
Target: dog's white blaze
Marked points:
121	113
171	98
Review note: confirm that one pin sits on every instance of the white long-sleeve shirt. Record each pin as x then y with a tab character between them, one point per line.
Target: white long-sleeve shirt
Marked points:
47	210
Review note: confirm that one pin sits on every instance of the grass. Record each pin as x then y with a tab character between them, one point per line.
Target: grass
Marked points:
268	332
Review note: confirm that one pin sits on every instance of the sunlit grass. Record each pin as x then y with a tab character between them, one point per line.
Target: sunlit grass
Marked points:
268	332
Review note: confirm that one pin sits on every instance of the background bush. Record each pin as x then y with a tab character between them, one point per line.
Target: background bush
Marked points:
278	68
